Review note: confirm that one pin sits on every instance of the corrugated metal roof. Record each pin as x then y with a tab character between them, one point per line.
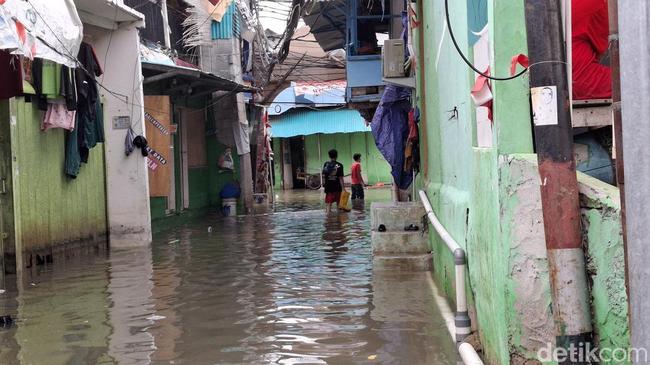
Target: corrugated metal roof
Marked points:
302	123
229	25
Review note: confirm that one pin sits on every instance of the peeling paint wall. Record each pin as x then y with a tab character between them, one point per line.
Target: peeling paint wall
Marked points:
528	293
489	198
603	242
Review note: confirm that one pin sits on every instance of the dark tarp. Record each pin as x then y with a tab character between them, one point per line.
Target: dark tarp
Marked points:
390	127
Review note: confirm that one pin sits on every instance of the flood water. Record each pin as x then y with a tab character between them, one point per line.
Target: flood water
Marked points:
294	286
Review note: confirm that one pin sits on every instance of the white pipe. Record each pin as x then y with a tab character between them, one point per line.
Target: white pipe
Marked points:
461	299
467	352
442	232
461	322
469	355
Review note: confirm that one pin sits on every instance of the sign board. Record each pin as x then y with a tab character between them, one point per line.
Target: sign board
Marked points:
121	122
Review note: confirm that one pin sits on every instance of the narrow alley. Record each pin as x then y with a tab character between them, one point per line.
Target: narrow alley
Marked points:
391	182
292	286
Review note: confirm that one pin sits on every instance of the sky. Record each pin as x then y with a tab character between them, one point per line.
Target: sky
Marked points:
274	14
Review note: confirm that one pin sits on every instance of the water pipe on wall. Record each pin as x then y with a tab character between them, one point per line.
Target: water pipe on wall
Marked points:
462	322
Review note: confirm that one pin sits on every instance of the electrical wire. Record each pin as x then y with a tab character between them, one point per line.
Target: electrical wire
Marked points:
239	88
460	53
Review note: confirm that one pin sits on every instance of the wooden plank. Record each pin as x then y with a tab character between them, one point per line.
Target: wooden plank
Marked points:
597	116
159	107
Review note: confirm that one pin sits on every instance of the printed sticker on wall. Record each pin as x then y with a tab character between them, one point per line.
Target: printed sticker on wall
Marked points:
151	164
544	100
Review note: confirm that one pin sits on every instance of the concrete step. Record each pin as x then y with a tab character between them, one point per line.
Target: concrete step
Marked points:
394	243
404	263
395	216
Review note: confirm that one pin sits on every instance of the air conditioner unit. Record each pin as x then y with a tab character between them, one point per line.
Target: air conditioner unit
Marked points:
393	58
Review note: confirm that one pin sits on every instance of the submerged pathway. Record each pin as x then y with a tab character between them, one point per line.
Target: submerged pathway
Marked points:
290	287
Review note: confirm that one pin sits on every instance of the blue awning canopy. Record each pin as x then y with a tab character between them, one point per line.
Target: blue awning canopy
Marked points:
306	122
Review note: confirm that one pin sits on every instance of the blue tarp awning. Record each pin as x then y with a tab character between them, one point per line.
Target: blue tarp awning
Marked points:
302	123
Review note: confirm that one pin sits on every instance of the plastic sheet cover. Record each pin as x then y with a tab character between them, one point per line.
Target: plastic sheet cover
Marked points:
45	29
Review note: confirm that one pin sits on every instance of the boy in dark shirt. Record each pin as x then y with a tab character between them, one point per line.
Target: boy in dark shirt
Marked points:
333	175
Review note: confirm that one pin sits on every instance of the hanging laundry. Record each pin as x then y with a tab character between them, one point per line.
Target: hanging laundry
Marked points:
89	128
89	120
58	116
11	75
72	157
68	87
590	25
129	147
47	81
142	144
412	150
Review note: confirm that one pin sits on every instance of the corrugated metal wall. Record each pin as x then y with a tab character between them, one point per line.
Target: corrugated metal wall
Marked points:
229	26
50	208
301	122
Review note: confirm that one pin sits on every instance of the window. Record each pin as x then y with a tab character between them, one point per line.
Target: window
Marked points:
369	25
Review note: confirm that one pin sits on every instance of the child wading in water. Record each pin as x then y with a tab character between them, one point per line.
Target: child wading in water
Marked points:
333	175
357	183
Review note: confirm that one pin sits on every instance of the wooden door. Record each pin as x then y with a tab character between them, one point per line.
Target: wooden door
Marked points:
159	131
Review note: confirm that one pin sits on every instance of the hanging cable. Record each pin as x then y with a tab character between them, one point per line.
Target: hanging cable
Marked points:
453	39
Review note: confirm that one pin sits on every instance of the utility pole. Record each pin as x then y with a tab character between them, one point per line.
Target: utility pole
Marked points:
165	18
635	91
559	186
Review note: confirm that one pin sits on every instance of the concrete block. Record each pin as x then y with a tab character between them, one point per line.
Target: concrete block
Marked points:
387	243
395	216
404	263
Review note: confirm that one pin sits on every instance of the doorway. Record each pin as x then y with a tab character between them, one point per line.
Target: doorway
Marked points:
297	148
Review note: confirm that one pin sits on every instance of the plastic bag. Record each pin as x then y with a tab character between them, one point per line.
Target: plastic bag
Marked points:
225	161
344	202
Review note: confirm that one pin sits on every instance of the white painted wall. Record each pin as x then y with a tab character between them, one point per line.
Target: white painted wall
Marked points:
129	214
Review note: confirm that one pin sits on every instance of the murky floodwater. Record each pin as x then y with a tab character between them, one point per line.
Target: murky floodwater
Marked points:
290	287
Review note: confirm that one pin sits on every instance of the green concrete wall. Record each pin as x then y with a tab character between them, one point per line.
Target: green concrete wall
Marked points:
205	183
374	166
603	239
277	162
472	193
50	208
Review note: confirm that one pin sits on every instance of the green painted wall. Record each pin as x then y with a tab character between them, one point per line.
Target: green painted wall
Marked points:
205	183
489	198
465	183
158	206
374	166
603	238
50	208
199	180
277	162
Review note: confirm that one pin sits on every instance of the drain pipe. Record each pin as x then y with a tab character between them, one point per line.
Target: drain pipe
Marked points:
462	322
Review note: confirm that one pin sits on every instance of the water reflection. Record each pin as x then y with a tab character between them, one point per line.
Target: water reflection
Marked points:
131	310
292	287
